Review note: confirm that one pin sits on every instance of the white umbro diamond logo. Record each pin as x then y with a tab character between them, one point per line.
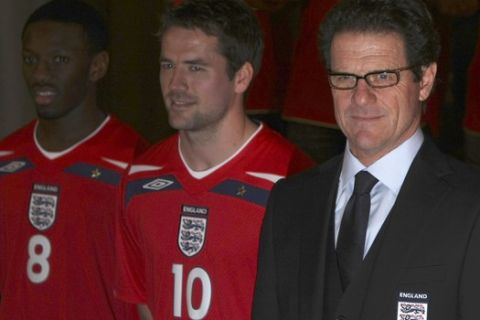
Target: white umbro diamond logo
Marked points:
157	184
13	166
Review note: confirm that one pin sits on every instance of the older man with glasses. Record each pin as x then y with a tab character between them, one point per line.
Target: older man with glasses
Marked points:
391	228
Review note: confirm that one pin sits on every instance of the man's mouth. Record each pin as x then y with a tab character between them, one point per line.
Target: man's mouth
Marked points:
181	103
44	96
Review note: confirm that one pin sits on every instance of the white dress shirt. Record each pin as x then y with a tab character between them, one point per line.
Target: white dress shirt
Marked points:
390	170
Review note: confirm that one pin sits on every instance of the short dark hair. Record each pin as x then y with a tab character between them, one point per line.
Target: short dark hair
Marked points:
78	12
232	22
408	18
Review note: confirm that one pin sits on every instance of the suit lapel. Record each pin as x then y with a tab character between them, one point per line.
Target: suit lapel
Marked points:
415	205
314	241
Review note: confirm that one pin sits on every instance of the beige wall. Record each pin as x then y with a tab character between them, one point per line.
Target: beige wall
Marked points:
15	104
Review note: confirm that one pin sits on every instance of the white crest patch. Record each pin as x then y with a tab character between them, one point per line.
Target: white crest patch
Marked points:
413	306
192	230
43	206
157	184
13	166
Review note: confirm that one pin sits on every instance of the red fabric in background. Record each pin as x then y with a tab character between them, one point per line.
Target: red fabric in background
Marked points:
308	95
472	114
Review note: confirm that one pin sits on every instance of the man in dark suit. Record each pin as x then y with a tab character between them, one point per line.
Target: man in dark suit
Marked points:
408	245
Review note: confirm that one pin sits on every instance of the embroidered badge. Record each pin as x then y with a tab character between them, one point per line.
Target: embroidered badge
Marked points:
43	206
412	306
241	191
96	173
192	230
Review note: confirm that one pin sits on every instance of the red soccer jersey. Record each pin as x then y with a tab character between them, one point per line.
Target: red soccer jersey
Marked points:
308	98
188	247
57	225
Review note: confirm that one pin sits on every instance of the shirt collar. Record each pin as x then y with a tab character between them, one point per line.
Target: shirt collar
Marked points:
390	170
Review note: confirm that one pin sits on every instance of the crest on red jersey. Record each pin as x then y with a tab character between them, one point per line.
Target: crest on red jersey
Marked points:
43	206
192	230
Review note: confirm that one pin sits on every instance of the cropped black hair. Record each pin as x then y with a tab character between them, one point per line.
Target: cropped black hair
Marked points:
78	12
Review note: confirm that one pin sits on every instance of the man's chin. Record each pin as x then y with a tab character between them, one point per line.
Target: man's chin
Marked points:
46	115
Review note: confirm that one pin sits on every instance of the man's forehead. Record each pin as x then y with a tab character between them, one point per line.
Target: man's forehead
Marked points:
362	52
57	32
184	40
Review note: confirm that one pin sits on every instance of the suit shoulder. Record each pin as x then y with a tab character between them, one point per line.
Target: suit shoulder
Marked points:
326	171
463	174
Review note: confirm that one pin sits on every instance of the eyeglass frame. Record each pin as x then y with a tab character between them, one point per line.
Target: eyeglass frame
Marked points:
364	77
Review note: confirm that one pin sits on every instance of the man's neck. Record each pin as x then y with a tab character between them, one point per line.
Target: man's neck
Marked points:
206	149
60	134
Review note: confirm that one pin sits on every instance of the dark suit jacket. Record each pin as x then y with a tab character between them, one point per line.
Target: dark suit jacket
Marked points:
427	254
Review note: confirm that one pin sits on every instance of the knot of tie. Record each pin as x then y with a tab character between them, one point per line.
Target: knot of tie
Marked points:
364	182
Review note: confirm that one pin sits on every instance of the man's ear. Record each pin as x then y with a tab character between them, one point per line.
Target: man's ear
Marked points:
427	81
99	65
243	77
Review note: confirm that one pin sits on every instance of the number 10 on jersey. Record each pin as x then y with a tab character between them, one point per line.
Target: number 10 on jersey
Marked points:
206	296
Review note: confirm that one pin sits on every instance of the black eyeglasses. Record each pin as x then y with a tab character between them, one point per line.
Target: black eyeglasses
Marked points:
375	79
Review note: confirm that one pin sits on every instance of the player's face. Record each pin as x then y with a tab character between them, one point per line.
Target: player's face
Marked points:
196	89
376	121
56	67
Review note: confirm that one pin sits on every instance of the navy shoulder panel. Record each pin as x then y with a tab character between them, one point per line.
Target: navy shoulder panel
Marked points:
95	172
153	184
243	191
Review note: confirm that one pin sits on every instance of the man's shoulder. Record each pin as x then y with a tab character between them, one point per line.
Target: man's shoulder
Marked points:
463	175
160	151
274	139
121	131
158	156
274	150
455	172
117	137
322	175
19	137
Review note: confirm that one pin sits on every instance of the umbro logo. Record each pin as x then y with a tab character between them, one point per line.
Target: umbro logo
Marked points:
13	166
157	184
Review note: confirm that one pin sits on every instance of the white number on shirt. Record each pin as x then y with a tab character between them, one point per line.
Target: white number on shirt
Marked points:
38	267
194	274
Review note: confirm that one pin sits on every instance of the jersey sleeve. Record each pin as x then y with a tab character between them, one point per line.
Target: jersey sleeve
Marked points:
130	283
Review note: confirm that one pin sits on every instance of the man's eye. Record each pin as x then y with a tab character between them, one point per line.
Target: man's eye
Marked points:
28	60
61	59
195	68
383	76
342	78
166	65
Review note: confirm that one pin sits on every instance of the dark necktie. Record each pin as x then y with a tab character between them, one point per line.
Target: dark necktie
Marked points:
351	237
